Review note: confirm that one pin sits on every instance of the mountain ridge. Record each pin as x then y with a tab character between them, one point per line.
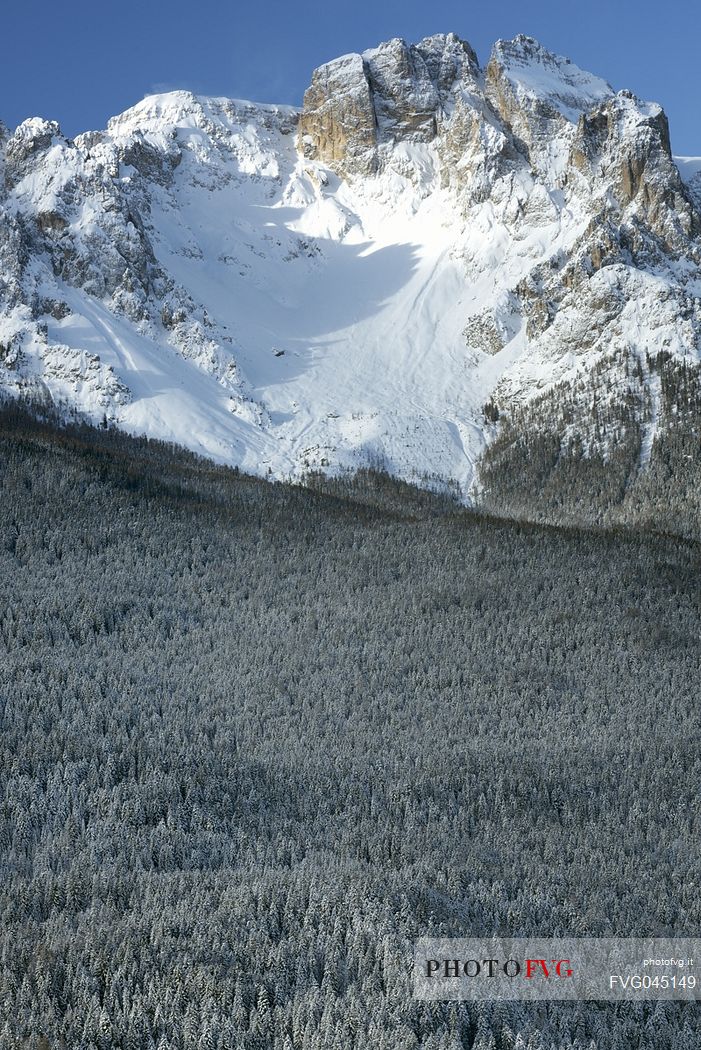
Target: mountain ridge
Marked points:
396	274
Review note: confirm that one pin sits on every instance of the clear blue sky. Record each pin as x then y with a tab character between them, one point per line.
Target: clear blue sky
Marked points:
80	62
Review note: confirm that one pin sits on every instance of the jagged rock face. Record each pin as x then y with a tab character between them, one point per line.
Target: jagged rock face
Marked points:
338	120
393	274
393	93
624	145
539	96
27	146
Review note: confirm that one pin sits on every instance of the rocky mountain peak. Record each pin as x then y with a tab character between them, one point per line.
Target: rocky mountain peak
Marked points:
531	111
392	93
24	148
539	79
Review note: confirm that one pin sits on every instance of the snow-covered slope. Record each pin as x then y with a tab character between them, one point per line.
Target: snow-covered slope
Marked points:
424	247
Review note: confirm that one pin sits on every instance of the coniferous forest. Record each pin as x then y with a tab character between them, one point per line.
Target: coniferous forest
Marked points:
258	738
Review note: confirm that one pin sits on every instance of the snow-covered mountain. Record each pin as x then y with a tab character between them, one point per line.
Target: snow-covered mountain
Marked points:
429	260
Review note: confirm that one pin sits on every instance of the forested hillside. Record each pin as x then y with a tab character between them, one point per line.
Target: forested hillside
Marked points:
256	739
545	466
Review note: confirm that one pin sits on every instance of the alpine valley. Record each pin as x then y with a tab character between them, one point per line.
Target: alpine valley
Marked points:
485	278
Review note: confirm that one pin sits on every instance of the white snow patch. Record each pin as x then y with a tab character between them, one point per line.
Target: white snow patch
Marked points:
650	431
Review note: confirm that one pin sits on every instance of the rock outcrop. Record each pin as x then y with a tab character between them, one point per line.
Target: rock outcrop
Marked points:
26	148
394	93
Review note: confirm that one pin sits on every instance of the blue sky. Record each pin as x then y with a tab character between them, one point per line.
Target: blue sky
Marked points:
80	62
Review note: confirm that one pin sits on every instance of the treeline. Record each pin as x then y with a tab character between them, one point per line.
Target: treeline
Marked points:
256	739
